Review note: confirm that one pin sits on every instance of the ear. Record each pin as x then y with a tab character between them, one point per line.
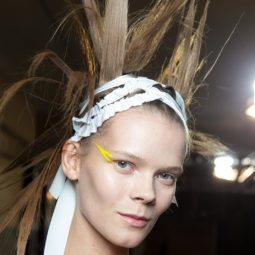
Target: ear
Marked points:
70	160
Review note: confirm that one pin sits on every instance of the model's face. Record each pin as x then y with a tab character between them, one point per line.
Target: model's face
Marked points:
122	200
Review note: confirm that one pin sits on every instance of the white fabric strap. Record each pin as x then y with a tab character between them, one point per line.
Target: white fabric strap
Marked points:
58	183
114	102
61	220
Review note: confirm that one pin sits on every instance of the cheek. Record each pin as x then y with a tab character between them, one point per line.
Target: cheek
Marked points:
99	186
165	197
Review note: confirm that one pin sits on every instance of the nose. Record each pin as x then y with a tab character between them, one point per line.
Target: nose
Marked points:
143	190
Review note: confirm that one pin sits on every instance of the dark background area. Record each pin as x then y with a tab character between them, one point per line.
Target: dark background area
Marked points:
214	217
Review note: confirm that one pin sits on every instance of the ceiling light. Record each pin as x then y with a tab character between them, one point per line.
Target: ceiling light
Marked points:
224	167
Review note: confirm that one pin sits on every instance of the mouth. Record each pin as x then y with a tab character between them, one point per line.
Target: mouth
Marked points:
135	220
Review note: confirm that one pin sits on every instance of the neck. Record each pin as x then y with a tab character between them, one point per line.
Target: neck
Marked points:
84	239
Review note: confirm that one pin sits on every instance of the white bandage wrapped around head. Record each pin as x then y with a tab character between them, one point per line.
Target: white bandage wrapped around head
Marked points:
129	91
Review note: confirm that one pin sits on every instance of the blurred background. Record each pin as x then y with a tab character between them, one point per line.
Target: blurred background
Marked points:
216	197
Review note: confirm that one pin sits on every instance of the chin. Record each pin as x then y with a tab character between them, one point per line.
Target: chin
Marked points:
130	242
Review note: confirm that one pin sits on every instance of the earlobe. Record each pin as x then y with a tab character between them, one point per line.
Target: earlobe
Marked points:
70	160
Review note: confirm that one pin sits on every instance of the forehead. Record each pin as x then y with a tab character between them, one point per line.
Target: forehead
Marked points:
145	133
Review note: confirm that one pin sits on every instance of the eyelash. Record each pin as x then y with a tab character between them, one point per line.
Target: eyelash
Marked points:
170	180
130	167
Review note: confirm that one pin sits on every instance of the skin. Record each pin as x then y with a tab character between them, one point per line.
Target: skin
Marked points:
106	154
147	151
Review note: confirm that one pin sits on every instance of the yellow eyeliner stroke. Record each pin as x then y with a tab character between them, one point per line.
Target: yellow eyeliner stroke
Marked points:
106	154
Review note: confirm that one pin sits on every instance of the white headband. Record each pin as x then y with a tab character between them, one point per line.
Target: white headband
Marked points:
114	102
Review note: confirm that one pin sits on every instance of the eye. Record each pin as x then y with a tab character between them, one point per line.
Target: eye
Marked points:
124	165
167	178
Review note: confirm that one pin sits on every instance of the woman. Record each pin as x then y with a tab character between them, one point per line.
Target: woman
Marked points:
119	201
124	174
124	152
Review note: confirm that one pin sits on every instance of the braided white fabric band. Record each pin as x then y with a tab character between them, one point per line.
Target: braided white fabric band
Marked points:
118	100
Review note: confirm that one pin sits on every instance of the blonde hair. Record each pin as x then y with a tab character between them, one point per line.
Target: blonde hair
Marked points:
109	46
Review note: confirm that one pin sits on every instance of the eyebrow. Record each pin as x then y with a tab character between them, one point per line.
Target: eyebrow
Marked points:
129	155
176	169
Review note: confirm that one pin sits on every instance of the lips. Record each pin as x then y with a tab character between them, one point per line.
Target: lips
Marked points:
135	220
